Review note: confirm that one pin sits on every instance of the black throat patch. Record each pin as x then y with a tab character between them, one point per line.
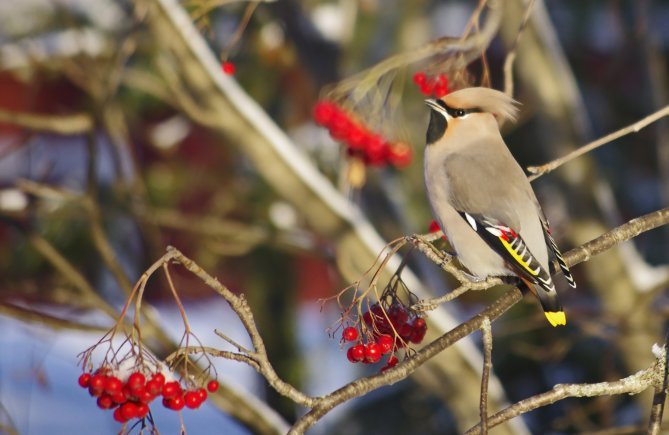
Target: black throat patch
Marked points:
436	128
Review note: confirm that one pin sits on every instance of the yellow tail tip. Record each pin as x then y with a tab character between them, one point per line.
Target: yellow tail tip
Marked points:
556	318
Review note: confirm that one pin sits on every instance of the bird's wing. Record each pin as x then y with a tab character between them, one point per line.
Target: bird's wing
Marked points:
481	185
510	245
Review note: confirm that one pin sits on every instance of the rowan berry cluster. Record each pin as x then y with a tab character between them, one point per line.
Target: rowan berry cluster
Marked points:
129	393
435	86
389	330
361	142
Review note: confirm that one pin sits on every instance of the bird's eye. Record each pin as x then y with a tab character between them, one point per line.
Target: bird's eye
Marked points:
459	113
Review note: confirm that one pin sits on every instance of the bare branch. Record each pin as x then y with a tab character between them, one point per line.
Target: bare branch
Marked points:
511	55
240	306
78	123
660	397
633	384
364	385
538	171
486	330
617	235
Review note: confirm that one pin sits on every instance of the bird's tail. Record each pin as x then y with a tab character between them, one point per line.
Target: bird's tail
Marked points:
549	302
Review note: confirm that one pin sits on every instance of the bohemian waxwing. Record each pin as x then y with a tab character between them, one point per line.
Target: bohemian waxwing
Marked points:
482	198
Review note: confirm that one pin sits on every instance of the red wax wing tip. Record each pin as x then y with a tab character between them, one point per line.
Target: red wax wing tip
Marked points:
228	67
434	226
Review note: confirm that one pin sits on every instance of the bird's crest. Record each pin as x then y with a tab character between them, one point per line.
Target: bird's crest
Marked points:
485	99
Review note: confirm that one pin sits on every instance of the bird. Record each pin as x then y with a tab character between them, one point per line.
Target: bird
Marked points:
482	199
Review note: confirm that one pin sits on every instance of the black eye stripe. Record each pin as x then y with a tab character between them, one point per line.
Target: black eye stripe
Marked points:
457	113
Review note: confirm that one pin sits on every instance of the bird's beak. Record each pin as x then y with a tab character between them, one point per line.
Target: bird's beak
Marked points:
432	103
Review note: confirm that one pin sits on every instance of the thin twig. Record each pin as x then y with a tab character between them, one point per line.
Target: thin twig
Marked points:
486	330
538	171
511	55
233	342
233	356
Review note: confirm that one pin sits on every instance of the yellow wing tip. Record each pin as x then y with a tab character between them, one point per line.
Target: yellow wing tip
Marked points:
556	318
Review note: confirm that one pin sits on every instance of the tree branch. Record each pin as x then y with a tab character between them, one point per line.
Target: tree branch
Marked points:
617	235
633	384
78	123
538	171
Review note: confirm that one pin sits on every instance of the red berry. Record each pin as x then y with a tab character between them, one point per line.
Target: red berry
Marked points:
129	410
213	386
419	323
405	331
97	382
105	401
118	416
144	396
136	380
376	150
340	126
192	399
419	78
357	137
426	88
356	353
228	67
350	334
113	385
171	389
398	314
440	91
372	353
386	343
419	330
158	378
350	356
203	394
153	387
367	318
84	380
400	155
119	397
376	318
142	410
175	403
417	336
392	362
324	112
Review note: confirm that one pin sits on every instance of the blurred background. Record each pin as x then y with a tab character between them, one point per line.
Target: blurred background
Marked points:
118	138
